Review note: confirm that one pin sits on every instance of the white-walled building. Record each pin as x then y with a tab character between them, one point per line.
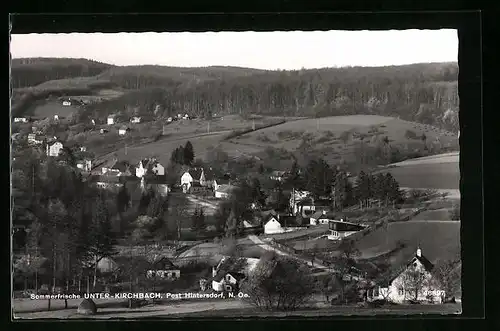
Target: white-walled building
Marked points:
149	166
228	274
54	148
135	119
85	165
111	119
20	120
340	229
413	282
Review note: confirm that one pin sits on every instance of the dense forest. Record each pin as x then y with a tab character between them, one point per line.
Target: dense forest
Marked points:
426	93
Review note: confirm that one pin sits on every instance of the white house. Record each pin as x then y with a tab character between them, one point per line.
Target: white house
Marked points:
116	168
169	119
123	130
20	120
85	165
135	119
414	282
340	229
223	191
56	117
54	149
191	176
230	271
308	206
321	217
66	103
34	139
111	119
296	197
149	166
280	223
218	182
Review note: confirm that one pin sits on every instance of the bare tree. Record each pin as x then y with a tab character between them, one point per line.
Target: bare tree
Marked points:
279	284
448	274
414	282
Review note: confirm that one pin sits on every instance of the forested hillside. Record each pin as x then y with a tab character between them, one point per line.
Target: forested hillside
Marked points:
425	93
29	72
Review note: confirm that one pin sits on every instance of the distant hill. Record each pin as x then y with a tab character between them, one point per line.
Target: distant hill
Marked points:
426	93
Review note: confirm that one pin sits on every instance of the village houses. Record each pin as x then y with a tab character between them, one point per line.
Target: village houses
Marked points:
193	175
414	282
149	166
111	119
223	191
229	273
20	120
54	148
123	130
85	165
135	119
276	223
117	168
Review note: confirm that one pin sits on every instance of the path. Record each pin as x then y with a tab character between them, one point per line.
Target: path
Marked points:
257	241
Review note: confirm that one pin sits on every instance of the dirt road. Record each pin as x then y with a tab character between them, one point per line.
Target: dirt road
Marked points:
149	311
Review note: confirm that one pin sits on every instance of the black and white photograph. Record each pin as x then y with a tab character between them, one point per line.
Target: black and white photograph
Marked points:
235	174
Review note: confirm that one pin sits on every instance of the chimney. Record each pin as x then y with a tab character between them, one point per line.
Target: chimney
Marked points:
419	252
214	272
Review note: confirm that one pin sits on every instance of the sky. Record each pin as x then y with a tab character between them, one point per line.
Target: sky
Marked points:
288	50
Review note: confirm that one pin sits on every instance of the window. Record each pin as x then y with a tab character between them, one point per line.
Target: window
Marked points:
375	292
401	291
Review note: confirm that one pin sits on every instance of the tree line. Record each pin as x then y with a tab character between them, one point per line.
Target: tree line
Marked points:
424	93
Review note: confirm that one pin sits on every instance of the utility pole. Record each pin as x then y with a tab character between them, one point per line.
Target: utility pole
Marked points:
125	149
253	125
208	127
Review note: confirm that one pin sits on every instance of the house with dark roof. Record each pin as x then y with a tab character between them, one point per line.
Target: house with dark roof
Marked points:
230	271
149	166
340	229
322	217
412	282
116	168
224	191
309	206
163	269
191	176
276	223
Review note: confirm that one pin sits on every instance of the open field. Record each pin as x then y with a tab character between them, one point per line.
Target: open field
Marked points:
50	108
438	215
429	176
438	240
312	231
324	134
452	157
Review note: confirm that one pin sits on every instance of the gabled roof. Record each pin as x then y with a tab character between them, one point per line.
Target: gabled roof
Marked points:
390	276
317	214
164	264
222	181
195	173
124	127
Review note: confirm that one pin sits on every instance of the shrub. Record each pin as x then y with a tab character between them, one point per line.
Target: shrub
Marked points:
87	307
454	212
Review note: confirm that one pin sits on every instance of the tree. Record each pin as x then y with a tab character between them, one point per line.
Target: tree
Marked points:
341	191
319	178
449	276
393	192
414	280
198	220
101	237
122	199
221	215
188	153
279	284
363	189
344	264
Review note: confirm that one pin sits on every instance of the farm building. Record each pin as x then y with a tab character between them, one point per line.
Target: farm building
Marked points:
230	271
20	120
281	223
107	181
135	119
123	130
342	229
111	119
54	148
223	191
34	139
117	168
102	131
412	282
66	103
164	269
85	165
308	206
217	182
149	166
56	117
321	217
193	175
